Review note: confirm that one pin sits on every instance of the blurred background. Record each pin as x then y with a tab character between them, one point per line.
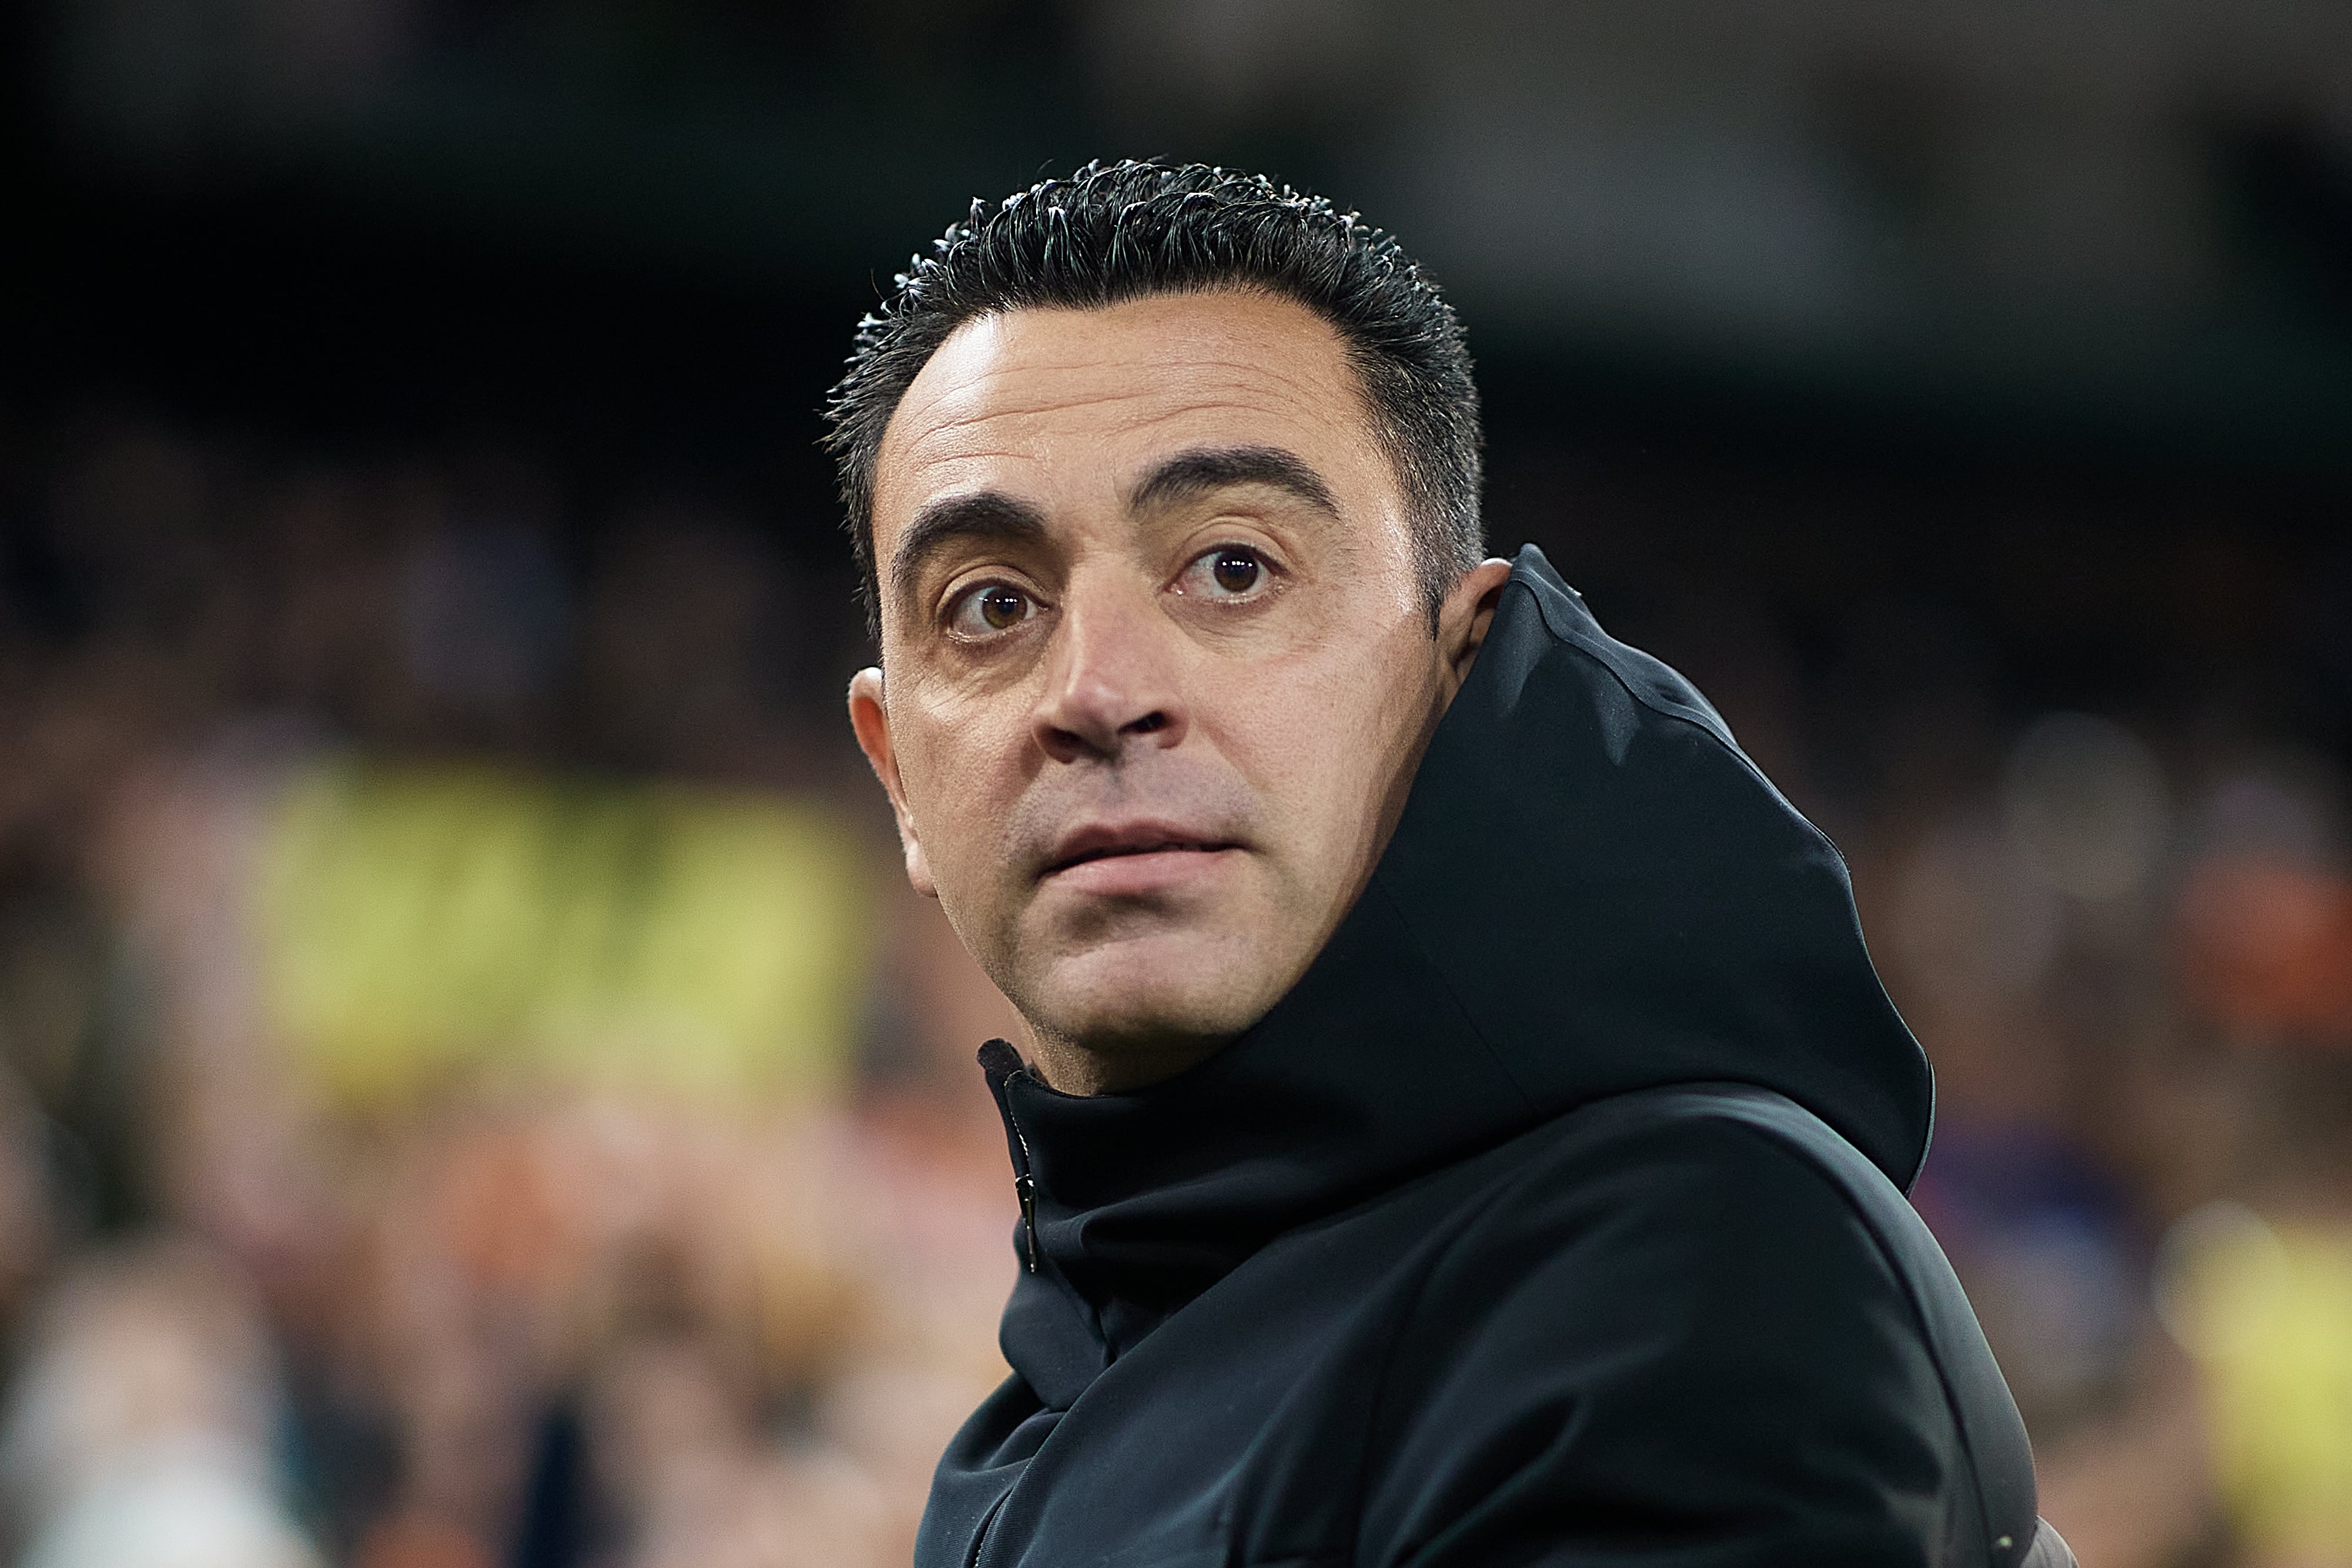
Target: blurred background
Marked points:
474	1088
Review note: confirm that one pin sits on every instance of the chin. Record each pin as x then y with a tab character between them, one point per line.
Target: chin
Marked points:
1150	994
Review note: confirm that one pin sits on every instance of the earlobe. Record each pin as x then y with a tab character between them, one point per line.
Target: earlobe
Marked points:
869	719
919	870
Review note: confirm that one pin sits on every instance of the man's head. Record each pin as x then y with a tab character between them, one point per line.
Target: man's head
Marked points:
1165	482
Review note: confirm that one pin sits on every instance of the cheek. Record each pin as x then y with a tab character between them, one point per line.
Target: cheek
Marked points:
1324	736
954	769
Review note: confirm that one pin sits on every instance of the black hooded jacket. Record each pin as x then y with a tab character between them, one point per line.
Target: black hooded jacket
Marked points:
1554	1217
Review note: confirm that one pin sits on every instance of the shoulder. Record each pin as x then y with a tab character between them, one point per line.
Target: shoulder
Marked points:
1701	1206
1679	1318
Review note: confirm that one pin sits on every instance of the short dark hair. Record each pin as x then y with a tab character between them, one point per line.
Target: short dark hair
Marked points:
1116	232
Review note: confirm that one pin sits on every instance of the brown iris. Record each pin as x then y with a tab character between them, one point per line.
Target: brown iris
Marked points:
1236	571
1002	607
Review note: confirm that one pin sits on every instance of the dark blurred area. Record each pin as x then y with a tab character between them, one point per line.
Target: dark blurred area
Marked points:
474	1088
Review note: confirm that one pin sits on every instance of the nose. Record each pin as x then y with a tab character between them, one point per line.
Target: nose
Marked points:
1112	678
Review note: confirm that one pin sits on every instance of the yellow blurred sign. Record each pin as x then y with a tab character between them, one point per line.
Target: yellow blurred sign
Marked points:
2266	1308
424	924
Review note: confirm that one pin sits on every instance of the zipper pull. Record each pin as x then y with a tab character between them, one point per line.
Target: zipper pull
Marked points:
1001	1061
1026	1186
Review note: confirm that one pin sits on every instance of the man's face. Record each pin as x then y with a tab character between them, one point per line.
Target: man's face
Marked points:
1158	666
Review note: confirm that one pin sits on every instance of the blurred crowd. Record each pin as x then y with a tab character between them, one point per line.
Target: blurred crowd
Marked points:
475	1090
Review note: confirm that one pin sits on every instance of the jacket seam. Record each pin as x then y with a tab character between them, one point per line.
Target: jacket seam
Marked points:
1582	643
1577	639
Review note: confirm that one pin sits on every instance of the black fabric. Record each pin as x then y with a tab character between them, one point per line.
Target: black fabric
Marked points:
1552	1218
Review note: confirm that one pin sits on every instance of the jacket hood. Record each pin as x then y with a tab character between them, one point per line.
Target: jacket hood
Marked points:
1592	891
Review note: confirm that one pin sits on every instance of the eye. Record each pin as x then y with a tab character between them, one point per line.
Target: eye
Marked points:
1228	571
985	612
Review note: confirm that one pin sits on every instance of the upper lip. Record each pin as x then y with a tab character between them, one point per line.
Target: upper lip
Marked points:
1138	838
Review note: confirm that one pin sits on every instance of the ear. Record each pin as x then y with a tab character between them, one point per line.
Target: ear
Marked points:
1463	618
871	721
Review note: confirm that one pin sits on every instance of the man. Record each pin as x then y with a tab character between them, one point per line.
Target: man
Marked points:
1459	1123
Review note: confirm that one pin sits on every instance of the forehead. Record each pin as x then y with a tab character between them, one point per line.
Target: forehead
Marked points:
1052	403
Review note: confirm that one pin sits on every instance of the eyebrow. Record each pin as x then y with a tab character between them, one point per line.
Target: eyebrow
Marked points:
990	517
993	517
1189	475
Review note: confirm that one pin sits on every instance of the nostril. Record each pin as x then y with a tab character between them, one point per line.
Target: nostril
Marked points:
1148	724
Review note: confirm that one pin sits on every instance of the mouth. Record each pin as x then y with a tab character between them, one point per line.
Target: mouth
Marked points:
1133	841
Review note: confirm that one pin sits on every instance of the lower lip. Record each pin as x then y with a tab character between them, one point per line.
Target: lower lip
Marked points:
1115	876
